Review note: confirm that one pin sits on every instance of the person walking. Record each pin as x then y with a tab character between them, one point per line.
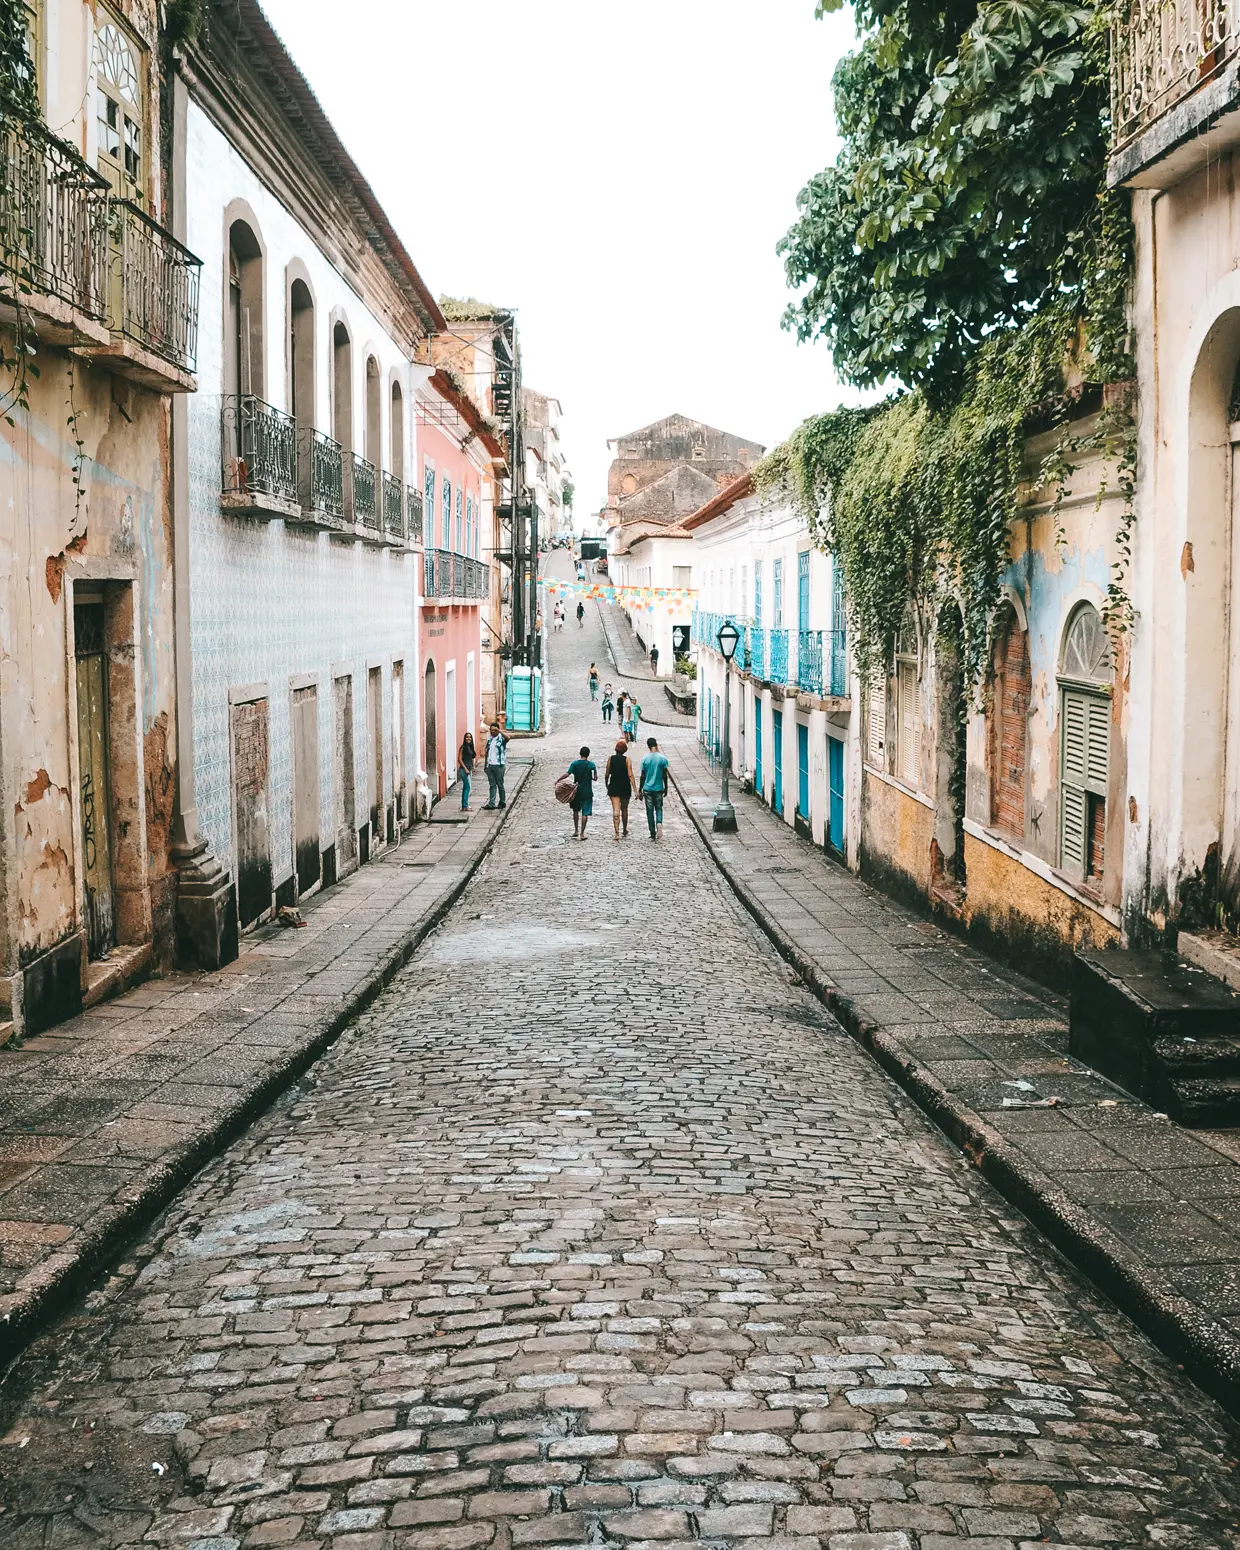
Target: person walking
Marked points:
634	720
496	767
581	615
593	681
622	706
465	768
583	772
652	786
654	660
608	703
618	779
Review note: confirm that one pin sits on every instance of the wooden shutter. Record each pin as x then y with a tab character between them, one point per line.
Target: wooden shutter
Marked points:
1085	767
876	725
906	734
1012	708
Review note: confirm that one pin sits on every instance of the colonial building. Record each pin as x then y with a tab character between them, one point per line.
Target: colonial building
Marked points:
666	471
544	462
460	458
99	304
644	557
302	508
794	738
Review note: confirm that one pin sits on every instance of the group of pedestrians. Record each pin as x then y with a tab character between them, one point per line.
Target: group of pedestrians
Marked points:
625	709
619	783
558	615
495	762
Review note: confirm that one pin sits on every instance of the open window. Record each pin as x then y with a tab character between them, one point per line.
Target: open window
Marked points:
1086	672
243	343
120	69
301	354
342	386
397	441
374	414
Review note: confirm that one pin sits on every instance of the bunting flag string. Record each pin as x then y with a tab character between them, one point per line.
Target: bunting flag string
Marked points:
608	592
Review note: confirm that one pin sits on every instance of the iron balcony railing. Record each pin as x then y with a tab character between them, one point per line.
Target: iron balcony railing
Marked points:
428	574
53	219
454	577
362	491
393	507
320	474
1161	51
809	661
835	663
413	507
259	448
756	653
777	665
821	662
153	286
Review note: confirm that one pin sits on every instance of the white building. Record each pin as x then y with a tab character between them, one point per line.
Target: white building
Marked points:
302	493
653	556
794	737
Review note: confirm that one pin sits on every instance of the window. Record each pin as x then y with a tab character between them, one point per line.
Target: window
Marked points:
119	77
243	345
777	594
907	728
342	386
744	589
682	576
469	524
301	356
34	39
1085	674
460	519
445	527
757	593
1009	726
397	438
374	414
428	498
876	721
803	590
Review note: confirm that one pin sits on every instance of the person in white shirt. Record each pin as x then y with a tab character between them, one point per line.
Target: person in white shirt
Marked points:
496	766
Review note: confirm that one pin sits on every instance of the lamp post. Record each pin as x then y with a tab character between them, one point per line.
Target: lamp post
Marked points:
726	640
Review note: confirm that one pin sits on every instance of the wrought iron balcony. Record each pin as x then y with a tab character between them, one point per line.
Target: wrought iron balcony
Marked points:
153	286
1163	52
413	507
53	223
822	663
451	577
428	574
809	661
320	477
835	663
362	491
757	652
777	666
393	507
259	448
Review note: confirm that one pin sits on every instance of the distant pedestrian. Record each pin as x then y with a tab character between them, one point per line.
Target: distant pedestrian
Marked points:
652	784
584	773
593	681
608	702
622	700
632	720
581	616
618	778
654	660
496	767
557	618
465	768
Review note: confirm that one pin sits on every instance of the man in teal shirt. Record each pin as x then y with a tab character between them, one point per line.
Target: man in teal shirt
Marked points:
652	784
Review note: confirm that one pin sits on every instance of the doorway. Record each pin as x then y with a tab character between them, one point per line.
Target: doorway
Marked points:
251	750
398	742
346	809
835	805
431	725
95	791
305	738
449	723
759	789
777	740
803	770
374	713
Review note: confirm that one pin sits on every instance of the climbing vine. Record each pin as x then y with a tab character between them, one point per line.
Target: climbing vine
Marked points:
964	243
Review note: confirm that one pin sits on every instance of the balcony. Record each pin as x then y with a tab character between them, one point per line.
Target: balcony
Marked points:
413	508
53	236
822	664
362	496
320	480
259	452
454	578
394	509
1174	89
152	303
777	657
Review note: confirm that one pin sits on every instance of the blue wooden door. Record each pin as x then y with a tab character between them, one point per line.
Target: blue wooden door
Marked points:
803	770
757	746
835	781
777	737
803	590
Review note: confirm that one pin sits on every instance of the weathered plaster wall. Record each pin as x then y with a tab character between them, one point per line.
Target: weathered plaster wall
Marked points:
896	831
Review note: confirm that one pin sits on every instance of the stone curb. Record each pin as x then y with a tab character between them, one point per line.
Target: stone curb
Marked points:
61	1277
1206	1350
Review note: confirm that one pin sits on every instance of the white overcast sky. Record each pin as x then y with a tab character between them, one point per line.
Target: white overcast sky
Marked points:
619	171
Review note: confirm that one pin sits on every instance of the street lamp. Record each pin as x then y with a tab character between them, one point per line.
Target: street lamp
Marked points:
727	640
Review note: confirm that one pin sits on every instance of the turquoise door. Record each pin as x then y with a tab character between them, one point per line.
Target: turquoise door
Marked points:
803	590
803	770
835	810
777	737
757	746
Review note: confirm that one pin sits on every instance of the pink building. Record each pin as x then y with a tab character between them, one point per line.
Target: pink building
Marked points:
459	456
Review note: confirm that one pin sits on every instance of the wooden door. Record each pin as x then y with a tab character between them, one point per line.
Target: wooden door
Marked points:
306	854
95	791
251	761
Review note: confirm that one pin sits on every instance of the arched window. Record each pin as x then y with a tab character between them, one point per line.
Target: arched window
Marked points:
374	414
342	386
243	344
301	354
398	433
1086	671
118	73
1009	724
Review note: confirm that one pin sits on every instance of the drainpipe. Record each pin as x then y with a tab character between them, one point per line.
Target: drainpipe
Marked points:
206	907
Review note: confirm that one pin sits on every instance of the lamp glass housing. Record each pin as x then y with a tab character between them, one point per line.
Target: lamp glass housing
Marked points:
727	640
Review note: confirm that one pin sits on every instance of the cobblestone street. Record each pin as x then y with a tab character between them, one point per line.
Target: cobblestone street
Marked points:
587	1234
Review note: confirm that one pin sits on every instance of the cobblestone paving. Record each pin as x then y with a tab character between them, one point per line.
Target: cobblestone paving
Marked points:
596	1231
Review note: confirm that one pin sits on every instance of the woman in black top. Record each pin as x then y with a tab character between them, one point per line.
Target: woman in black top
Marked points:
618	779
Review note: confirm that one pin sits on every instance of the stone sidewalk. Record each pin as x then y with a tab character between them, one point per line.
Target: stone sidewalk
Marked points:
1149	1210
104	1118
